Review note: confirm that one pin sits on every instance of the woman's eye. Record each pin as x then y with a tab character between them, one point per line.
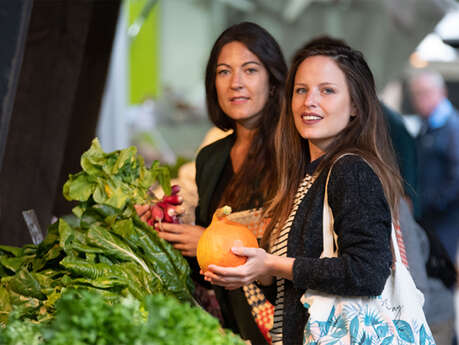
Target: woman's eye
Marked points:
251	70
300	90
222	72
328	90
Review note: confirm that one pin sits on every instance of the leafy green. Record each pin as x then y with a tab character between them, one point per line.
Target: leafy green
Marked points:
103	247
84	317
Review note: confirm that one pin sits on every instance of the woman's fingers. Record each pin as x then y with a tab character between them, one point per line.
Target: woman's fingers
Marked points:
172	228
244	251
145	216
170	237
225	271
227	275
235	277
141	209
184	237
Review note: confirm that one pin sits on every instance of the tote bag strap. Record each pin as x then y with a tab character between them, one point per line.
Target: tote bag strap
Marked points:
395	247
329	235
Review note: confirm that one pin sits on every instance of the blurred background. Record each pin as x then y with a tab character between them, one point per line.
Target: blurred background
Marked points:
132	73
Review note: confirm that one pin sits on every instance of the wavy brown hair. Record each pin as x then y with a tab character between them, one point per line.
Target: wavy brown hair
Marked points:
258	170
365	135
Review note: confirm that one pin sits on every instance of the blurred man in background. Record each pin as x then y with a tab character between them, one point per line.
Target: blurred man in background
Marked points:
438	158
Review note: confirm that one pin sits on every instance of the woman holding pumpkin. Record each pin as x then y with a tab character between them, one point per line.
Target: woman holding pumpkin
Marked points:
244	80
331	109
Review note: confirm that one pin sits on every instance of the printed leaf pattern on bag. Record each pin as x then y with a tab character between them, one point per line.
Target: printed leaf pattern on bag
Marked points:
358	324
387	340
404	330
423	336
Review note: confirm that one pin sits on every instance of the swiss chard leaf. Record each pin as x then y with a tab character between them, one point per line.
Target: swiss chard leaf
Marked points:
113	245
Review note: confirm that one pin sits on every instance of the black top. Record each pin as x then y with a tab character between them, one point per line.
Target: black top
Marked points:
362	222
214	172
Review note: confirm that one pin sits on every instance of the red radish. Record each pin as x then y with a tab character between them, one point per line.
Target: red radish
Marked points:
175	189
171	211
157	213
173	199
167	210
162	204
169	215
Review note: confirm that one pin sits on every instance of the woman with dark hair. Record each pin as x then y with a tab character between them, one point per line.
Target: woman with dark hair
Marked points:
244	80
331	109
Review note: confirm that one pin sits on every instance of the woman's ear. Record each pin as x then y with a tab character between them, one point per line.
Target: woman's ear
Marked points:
353	111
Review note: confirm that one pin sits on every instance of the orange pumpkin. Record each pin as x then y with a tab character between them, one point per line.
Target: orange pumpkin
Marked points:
214	246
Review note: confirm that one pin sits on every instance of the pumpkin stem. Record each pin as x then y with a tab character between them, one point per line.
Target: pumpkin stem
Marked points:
224	211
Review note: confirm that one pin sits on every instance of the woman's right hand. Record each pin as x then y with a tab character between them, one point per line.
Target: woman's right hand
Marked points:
183	237
257	267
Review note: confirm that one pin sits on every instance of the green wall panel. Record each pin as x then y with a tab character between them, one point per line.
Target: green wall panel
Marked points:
144	52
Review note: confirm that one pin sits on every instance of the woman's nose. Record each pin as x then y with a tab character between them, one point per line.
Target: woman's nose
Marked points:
310	99
236	81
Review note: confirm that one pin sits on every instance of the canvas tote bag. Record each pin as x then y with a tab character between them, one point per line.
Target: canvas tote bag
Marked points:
394	317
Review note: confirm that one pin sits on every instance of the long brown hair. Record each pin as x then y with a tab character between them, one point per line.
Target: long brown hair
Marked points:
258	170
366	134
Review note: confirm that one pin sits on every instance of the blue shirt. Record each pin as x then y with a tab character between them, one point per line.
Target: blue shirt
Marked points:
442	112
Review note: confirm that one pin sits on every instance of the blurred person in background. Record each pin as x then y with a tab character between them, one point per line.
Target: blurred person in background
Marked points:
438	158
244	79
438	305
438	298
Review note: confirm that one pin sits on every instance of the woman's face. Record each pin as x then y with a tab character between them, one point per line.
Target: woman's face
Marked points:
321	102
242	83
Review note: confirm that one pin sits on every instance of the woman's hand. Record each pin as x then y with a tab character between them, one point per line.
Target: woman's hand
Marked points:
256	268
143	211
183	237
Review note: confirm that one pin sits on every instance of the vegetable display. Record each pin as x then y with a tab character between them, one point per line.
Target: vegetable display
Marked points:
84	318
104	246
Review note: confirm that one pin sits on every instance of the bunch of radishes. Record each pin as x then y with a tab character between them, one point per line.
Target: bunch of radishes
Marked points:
166	210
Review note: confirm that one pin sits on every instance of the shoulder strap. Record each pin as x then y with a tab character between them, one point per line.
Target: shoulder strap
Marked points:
329	235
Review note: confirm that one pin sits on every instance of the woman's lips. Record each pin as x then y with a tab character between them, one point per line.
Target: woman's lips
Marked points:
239	100
311	118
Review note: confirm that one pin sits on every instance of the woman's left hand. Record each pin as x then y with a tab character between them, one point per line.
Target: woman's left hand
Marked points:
232	278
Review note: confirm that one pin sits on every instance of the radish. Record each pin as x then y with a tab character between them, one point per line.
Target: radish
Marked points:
175	189
173	199
162	204
169	214
157	213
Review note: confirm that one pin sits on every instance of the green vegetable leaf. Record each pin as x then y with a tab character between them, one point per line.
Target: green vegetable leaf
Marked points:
113	245
24	283
15	251
79	187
